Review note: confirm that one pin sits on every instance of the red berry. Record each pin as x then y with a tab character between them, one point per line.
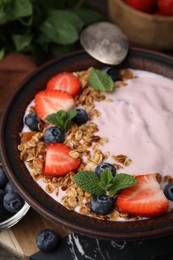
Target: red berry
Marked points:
58	160
143	199
165	7
65	81
51	101
147	6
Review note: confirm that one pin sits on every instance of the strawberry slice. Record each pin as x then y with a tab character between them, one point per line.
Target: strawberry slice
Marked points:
51	101
58	160
143	199
65	81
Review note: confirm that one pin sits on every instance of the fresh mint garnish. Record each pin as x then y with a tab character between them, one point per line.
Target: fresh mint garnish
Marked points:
88	181
121	181
61	119
106	184
101	81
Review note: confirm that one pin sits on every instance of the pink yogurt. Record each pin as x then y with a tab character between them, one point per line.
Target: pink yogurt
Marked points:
139	123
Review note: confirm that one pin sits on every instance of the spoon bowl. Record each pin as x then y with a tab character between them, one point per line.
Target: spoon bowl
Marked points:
105	42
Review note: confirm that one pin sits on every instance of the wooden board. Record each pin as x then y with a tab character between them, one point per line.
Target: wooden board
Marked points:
20	239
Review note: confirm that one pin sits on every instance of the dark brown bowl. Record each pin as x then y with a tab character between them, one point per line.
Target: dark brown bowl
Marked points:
11	125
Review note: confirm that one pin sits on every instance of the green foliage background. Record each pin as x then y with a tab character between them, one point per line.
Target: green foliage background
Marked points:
43	28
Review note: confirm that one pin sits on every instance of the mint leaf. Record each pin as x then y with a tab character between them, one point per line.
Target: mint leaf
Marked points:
22	42
101	81
61	118
58	30
22	8
106	179
2	53
121	181
69	16
88	181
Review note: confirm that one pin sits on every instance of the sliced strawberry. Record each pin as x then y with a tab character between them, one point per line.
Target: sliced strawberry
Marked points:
65	81
51	101
143	199
58	160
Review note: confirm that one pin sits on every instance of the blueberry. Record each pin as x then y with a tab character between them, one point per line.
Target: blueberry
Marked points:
168	191
47	240
13	202
112	72
1	196
3	179
54	135
32	120
3	213
102	205
81	117
9	187
102	166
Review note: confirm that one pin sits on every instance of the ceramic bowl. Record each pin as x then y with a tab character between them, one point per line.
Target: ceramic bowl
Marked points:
11	125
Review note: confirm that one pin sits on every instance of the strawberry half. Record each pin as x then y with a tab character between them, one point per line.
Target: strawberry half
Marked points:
51	101
58	160
65	81
143	199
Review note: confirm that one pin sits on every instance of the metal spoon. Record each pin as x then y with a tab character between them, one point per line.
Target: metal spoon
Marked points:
105	42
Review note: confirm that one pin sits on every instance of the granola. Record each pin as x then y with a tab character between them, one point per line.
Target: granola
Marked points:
86	144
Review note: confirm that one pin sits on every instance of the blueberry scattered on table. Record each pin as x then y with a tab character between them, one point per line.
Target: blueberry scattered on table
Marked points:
168	191
47	240
54	135
32	121
102	166
102	205
81	117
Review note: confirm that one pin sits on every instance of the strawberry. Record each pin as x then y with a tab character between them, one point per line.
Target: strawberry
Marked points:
58	160
51	101
65	81
147	6
143	199
165	7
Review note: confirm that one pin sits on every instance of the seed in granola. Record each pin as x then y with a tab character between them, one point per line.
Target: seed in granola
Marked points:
74	154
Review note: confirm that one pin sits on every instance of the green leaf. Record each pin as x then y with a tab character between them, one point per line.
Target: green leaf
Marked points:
22	8
88	181
6	11
100	80
61	118
122	181
89	16
22	42
106	179
2	53
69	16
59	31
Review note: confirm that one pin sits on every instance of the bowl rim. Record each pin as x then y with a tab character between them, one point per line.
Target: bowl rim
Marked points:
14	219
122	233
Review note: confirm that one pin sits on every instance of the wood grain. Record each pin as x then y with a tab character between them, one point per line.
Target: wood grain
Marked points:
20	239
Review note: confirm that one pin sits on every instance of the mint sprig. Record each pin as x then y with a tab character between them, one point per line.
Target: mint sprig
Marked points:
89	182
106	184
101	81
61	119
